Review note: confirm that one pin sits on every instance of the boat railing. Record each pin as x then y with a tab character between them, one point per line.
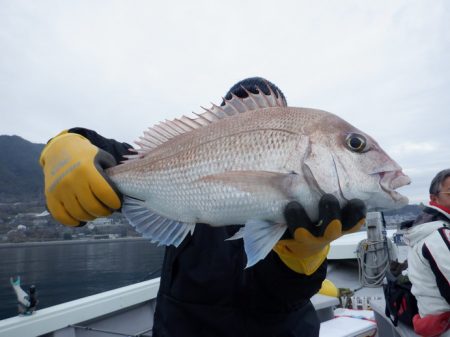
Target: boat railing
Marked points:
69	314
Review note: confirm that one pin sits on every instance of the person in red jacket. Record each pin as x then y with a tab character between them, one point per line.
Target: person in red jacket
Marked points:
429	260
205	288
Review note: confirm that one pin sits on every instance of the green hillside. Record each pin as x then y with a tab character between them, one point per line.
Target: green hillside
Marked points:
21	177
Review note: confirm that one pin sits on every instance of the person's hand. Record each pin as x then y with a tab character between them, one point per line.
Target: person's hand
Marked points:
76	188
308	242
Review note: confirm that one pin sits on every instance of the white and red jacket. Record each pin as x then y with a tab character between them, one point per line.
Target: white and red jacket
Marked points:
429	260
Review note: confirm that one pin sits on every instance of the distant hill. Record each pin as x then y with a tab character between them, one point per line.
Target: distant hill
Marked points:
402	215
413	210
21	177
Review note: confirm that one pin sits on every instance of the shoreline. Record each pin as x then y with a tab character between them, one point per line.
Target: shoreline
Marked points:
69	242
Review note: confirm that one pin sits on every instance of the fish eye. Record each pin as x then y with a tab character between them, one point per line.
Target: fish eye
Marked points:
356	142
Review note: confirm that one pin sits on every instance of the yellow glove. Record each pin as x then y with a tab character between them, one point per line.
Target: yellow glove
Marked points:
76	187
308	245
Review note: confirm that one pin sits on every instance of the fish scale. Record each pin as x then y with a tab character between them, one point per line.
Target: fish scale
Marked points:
241	164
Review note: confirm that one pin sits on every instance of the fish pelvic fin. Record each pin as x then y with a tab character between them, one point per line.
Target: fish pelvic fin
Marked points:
164	131
260	237
153	226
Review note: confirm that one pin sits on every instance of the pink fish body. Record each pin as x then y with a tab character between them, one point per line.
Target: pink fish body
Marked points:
242	163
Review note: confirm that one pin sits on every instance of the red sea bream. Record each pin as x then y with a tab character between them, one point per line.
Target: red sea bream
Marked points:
242	162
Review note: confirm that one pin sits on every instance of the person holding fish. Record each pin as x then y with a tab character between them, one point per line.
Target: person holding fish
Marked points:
429	260
287	181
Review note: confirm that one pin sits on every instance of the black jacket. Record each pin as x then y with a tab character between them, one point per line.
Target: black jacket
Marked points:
205	289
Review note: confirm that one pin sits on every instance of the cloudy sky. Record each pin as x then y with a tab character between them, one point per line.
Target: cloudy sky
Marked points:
120	66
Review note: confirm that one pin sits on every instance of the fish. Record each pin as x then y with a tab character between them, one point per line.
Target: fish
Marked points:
242	162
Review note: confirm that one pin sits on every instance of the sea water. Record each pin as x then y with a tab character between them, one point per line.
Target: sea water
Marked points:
67	270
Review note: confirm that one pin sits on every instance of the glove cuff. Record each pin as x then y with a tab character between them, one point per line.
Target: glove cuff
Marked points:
305	265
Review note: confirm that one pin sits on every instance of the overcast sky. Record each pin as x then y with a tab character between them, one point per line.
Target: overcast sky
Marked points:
120	66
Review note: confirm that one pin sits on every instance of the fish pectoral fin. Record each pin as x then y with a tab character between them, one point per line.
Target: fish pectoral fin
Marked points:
259	238
153	226
256	181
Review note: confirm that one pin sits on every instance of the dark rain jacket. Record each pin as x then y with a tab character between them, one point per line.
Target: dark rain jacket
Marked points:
205	289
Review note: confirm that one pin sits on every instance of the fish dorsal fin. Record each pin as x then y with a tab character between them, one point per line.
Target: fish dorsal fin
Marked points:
164	131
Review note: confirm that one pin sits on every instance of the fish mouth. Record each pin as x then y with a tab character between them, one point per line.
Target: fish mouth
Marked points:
391	180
